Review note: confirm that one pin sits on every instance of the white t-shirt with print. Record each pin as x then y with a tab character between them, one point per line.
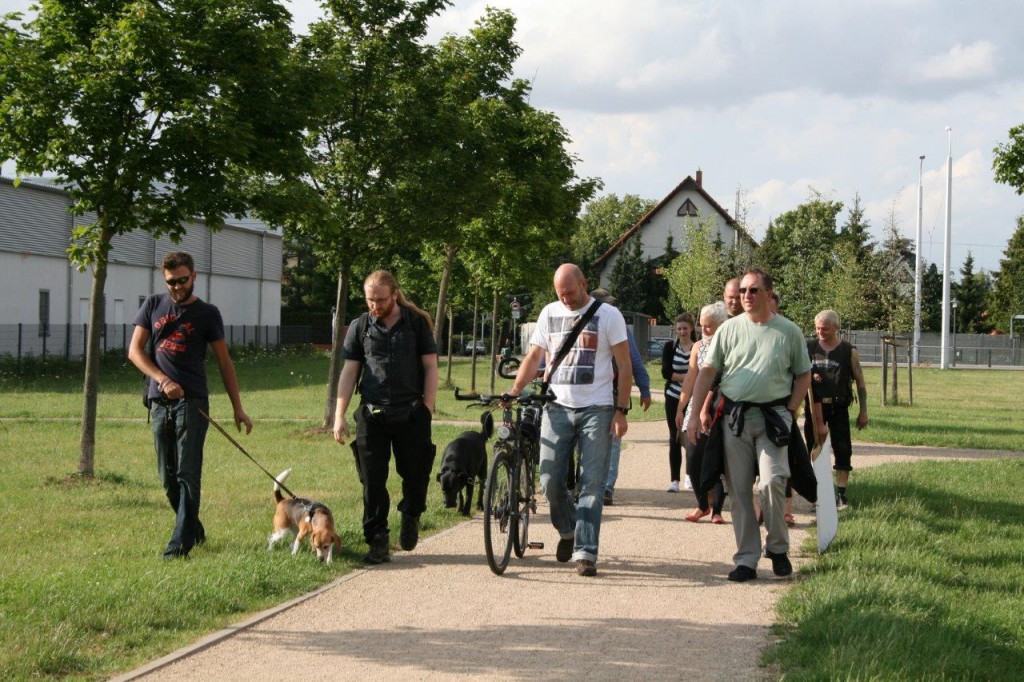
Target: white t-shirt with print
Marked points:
585	376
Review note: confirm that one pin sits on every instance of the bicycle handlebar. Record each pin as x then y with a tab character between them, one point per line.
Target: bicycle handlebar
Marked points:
488	399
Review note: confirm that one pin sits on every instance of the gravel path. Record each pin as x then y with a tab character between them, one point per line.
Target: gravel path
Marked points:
660	607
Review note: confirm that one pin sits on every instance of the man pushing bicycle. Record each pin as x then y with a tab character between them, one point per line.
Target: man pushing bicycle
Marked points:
579	337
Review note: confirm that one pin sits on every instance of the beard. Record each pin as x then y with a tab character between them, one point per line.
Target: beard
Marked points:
180	295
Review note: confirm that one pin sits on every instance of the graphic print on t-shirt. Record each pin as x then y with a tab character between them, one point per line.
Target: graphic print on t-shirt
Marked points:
578	366
177	342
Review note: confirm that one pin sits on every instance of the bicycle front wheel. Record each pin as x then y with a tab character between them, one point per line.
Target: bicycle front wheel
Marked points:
499	513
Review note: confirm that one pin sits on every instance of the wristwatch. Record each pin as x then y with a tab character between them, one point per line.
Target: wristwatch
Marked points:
623	410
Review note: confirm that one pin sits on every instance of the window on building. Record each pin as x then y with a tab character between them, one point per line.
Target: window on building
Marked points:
688	209
44	312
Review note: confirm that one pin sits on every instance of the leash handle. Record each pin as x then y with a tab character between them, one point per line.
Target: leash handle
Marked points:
238	445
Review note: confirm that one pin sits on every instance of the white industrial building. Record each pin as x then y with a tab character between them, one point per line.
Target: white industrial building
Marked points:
44	300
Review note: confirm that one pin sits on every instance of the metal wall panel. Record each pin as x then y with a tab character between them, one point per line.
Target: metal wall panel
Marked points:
237	253
134	248
273	246
195	240
34	221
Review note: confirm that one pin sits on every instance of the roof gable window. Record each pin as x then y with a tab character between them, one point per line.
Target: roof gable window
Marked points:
687	209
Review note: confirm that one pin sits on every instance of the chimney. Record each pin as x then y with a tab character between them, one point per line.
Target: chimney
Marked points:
700	177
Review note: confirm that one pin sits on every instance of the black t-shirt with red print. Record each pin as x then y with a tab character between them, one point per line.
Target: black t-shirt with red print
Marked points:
181	334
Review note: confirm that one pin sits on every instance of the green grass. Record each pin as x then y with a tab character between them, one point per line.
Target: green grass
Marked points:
925	580
952	408
84	595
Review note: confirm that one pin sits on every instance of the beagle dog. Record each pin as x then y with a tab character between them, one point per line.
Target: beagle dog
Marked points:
303	518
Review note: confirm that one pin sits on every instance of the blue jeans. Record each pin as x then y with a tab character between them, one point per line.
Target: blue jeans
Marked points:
614	451
562	429
179	432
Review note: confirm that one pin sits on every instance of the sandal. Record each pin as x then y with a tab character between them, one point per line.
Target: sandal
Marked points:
717	518
697	515
790	521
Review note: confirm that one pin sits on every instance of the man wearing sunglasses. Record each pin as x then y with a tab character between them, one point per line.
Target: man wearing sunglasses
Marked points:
765	373
181	326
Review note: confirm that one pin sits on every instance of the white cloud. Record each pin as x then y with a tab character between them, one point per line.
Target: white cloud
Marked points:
977	60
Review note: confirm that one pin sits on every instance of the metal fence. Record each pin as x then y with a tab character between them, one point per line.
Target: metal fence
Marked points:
967	350
69	341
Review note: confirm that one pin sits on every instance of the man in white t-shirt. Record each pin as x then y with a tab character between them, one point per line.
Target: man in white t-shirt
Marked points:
585	411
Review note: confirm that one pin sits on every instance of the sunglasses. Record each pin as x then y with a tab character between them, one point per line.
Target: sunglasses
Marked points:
178	281
752	290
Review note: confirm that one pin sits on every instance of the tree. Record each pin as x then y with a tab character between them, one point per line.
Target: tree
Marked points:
1008	160
1007	296
856	232
931	299
603	222
370	126
695	277
893	286
629	278
149	114
971	293
798	253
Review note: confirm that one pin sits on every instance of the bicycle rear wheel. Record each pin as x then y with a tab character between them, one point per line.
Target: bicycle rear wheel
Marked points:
524	496
499	513
508	367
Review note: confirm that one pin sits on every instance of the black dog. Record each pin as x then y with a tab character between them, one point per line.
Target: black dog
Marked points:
464	460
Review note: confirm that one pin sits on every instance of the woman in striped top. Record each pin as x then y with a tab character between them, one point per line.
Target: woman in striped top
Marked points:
675	362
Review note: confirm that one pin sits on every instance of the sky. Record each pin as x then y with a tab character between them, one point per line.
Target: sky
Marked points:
779	99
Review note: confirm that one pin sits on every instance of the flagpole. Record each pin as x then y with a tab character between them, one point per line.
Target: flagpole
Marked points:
946	248
917	266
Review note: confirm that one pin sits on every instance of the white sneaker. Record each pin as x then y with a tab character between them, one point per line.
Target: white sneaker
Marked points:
686	484
673	487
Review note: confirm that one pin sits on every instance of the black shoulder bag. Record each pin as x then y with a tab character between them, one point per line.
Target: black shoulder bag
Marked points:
567	343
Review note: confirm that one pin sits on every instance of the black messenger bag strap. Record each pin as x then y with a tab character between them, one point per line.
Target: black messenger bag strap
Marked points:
567	343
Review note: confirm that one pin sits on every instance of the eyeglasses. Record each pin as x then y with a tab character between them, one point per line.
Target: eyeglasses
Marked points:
379	301
178	281
752	290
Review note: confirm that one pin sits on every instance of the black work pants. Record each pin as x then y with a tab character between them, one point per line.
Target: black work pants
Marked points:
410	441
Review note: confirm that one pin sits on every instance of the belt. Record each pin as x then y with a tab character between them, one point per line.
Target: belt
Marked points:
833	401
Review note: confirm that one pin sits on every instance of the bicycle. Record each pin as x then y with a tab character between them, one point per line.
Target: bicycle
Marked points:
510	492
508	364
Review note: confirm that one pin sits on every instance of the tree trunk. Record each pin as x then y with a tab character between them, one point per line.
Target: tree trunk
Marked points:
451	319
442	294
87	456
338	340
494	338
472	339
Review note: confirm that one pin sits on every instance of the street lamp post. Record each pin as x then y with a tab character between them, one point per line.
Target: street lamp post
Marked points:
954	304
917	264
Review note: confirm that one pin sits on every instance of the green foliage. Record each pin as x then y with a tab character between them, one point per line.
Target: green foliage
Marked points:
628	279
892	281
1008	160
846	287
798	251
149	114
931	299
1007	296
856	232
603	222
695	277
971	293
